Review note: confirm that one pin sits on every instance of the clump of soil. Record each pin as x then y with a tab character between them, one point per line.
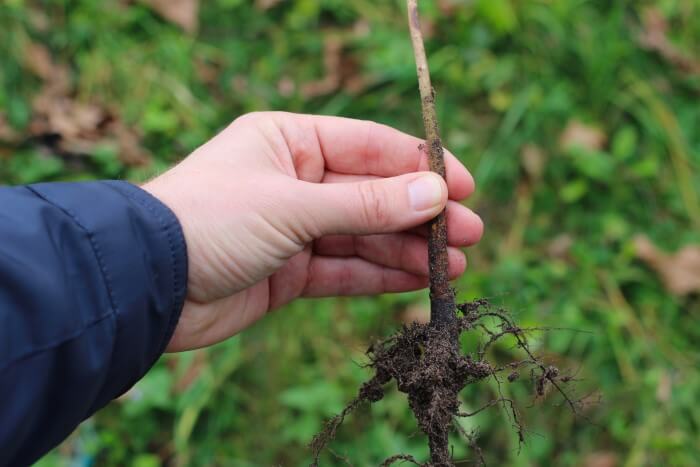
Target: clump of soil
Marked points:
428	366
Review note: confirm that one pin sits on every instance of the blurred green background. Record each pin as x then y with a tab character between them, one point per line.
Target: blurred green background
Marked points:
580	120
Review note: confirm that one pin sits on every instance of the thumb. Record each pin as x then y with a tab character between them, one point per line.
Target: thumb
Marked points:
377	206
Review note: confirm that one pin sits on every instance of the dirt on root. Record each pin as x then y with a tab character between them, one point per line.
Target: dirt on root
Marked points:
428	366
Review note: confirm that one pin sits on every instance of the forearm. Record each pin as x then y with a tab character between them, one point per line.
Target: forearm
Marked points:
92	281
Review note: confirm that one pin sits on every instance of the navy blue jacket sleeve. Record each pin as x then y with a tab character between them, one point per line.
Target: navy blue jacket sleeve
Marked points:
92	282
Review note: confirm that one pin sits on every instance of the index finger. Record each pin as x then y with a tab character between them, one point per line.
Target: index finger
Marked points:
362	147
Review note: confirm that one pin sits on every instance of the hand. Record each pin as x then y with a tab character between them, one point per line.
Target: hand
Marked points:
280	206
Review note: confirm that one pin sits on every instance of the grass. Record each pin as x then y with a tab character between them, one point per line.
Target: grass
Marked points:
558	251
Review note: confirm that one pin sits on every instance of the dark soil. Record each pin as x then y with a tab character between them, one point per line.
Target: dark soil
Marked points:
427	366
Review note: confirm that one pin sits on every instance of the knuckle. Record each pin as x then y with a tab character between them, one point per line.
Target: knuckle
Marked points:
248	118
255	118
375	209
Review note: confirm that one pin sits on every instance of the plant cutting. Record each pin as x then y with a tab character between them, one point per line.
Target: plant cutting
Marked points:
425	360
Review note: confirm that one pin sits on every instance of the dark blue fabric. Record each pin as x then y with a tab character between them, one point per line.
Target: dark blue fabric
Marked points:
92	282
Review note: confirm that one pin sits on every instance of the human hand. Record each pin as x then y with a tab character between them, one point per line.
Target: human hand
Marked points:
279	206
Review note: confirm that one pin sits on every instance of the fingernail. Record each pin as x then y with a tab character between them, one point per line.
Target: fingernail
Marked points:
425	192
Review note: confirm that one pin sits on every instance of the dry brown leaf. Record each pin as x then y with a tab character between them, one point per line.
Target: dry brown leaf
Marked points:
448	7
184	13
82	125
56	113
129	142
560	246
680	272
654	37
286	86
37	59
7	133
79	126
207	72
341	71
533	160
266	4
39	19
663	390
361	29
73	120
332	50
239	84
601	459
578	134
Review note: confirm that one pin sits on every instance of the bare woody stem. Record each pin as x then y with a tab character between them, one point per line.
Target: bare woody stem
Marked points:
442	296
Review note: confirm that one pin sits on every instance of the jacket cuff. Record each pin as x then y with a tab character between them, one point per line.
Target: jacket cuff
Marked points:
141	251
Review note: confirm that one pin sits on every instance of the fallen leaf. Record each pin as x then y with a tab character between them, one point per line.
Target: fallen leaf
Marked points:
680	272
580	135
131	152
427	27
286	86
207	72
332	50
448	7
601	459
266	4
66	117
39	19
341	72
663	390
239	84
560	246
7	133
75	127
533	160
654	37
37	59
361	29
184	13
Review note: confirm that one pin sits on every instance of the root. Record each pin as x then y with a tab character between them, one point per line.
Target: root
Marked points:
426	366
402	458
371	391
